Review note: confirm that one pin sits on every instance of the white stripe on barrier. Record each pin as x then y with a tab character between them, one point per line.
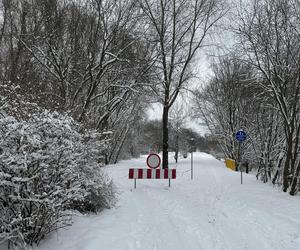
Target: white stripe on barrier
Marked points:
153	173
136	173
144	174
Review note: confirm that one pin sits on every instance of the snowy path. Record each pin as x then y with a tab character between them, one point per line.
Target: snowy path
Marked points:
212	212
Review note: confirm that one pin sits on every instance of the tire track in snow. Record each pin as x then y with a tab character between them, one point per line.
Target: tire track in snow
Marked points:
157	232
244	222
211	212
181	205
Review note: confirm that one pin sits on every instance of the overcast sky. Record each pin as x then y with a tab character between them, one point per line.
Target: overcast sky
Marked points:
221	43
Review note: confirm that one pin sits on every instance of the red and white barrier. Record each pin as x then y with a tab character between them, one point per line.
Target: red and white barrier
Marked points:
153	172
143	173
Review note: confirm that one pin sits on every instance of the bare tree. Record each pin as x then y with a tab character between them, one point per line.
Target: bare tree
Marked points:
3	20
177	29
178	119
223	103
269	32
84	58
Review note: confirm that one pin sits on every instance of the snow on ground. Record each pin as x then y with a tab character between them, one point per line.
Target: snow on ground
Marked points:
212	212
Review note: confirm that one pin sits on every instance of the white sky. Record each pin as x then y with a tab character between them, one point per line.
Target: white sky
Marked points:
155	113
203	72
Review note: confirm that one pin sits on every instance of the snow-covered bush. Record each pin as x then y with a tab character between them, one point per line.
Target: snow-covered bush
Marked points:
47	167
96	195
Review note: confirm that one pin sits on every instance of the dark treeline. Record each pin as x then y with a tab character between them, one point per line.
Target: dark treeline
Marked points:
182	140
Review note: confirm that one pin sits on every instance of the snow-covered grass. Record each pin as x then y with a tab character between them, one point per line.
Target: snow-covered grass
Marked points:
213	211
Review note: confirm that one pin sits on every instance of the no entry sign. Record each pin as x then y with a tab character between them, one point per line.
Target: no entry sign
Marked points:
153	161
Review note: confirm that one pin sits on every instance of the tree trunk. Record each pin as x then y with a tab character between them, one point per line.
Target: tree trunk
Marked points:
165	137
4	22
277	171
176	146
16	55
295	181
121	145
286	170
286	174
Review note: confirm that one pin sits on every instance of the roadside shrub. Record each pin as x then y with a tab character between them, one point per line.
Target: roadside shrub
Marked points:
48	167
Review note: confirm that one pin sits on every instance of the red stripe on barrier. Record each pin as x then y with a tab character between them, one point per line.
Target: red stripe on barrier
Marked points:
131	171
143	173
140	173
157	174
166	175
149	173
173	173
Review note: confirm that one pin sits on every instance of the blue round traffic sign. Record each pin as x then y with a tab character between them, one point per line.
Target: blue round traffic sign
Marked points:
241	136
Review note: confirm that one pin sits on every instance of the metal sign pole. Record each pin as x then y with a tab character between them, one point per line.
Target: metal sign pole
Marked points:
239	161
192	166
240	136
241	176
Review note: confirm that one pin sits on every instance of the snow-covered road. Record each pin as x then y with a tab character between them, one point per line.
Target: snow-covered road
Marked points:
213	211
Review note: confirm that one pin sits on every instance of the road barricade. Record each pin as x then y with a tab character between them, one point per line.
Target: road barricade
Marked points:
143	173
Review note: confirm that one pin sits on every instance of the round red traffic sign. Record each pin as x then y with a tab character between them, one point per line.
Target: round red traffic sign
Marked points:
153	161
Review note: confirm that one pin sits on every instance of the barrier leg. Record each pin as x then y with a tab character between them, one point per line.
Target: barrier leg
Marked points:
169	182
134	183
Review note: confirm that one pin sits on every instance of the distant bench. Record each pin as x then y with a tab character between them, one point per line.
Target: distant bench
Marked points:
144	173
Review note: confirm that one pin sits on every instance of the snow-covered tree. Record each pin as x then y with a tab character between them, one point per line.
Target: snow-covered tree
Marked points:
269	33
234	99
